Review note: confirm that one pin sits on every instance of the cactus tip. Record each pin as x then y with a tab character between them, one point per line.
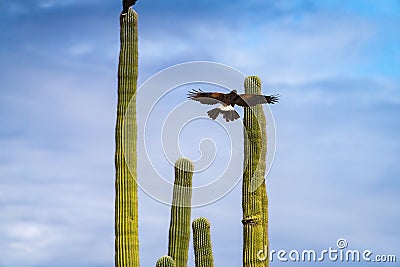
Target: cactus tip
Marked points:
184	164
165	261
201	223
252	81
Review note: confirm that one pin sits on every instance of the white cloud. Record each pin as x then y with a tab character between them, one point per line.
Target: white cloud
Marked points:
47	4
57	172
285	50
81	49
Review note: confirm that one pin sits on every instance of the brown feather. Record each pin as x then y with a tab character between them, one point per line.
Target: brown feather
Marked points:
249	100
206	98
243	100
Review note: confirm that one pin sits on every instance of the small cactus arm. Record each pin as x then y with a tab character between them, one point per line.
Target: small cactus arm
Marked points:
126	202
165	261
179	230
254	198
202	243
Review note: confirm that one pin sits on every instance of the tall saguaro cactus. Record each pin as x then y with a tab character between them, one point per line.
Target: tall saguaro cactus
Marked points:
179	230
254	198
202	243
126	202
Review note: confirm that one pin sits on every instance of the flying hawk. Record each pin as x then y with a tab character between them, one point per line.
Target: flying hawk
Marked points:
126	4
228	101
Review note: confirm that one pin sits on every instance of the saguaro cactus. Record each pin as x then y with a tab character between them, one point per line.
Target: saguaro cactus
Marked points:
202	243
165	261
126	202
179	230
254	198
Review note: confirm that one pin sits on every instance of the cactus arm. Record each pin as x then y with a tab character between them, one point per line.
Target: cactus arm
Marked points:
202	243
126	202
179	230
254	200
165	261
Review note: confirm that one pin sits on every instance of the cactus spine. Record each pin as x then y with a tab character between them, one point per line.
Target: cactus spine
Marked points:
126	202
179	230
254	199
202	243
165	261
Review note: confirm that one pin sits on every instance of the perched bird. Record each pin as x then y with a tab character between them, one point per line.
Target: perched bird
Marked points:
228	101
126	4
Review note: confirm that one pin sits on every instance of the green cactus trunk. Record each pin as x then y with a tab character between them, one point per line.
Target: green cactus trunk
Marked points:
126	202
254	197
179	230
165	261
202	243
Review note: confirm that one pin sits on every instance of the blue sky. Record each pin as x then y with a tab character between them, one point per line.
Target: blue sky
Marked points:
336	174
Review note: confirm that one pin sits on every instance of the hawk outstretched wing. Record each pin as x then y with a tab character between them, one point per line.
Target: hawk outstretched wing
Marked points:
249	100
206	98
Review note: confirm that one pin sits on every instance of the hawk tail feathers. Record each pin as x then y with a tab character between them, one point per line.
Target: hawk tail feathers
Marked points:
228	115
213	113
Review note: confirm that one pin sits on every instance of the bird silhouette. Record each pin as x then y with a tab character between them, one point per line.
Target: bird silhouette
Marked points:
126	4
228	101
